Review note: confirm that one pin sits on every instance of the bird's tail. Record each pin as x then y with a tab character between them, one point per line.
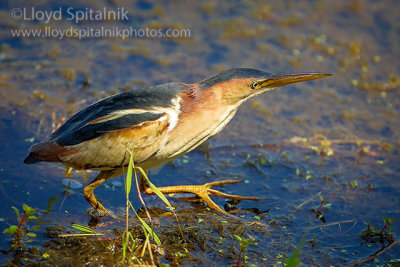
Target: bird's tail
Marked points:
31	159
47	150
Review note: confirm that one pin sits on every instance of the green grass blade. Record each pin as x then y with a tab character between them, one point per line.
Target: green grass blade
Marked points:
132	239
128	181
147	227
293	261
155	189
82	228
80	235
124	247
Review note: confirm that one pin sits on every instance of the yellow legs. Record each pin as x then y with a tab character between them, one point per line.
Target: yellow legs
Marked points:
88	191
202	191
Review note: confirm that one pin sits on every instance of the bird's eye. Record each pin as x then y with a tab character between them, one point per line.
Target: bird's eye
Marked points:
254	85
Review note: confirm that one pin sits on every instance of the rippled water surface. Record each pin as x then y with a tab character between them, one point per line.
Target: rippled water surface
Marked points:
324	154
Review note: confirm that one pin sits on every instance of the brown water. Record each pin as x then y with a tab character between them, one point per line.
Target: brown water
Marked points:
332	142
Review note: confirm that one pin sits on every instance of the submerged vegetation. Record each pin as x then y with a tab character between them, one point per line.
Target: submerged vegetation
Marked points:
156	236
383	235
137	241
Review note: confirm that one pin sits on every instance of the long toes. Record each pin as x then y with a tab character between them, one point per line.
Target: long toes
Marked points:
111	214
222	182
211	203
220	194
234	197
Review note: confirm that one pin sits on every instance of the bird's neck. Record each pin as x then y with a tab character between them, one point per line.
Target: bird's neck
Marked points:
199	120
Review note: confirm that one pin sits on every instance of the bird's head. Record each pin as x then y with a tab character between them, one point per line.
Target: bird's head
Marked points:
234	86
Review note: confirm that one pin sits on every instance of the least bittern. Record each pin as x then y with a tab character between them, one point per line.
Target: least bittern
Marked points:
158	124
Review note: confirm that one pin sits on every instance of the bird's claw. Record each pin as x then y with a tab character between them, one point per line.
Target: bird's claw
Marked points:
100	213
205	190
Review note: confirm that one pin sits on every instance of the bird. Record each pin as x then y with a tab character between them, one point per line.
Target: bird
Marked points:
157	124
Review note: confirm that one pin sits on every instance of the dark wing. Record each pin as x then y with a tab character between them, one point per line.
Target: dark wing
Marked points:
133	119
91	130
78	128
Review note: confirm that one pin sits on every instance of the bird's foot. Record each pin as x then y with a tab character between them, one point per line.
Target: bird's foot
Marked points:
97	209
100	213
203	192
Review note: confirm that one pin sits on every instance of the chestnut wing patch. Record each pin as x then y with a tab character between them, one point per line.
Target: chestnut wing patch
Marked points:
160	96
90	131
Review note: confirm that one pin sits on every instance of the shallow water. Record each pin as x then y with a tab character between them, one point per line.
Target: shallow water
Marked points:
326	187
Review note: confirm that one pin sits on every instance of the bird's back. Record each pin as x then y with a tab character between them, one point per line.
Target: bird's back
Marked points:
110	122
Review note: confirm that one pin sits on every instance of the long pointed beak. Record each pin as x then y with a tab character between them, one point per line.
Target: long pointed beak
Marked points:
284	79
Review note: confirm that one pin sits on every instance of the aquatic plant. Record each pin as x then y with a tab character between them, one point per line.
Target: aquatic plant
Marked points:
21	232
